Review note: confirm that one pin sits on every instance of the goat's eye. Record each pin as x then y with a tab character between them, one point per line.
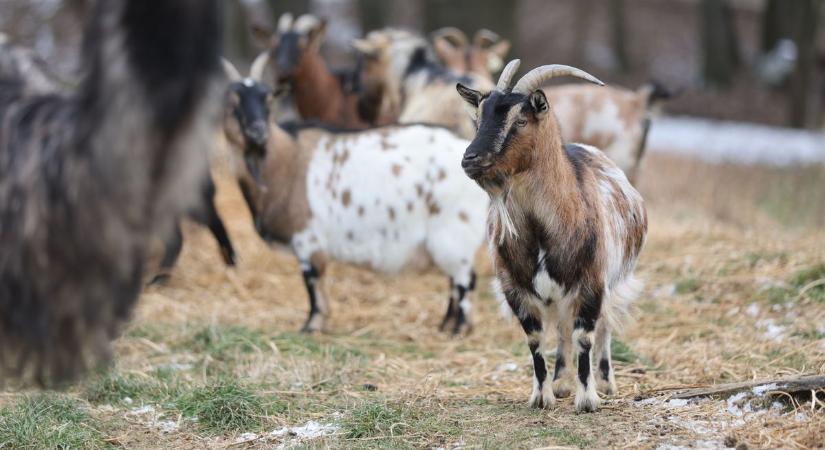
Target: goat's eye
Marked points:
521	123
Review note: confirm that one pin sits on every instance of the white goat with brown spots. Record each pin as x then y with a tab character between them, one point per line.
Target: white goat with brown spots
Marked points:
566	230
613	119
388	198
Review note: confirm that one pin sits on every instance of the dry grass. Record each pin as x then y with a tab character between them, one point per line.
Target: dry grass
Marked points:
214	354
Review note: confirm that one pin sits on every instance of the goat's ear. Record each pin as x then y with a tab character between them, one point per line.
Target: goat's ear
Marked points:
471	96
496	55
316	36
472	99
263	36
539	104
449	54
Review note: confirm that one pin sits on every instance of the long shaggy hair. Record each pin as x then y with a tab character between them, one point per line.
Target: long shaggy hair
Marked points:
87	178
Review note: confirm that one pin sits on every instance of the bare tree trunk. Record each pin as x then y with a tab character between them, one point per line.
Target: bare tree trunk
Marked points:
796	20
720	44
407	14
618	32
584	15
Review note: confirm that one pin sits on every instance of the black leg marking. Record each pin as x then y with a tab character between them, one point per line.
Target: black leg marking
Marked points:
310	282
539	366
584	362
219	231
455	314
583	332
604	368
560	365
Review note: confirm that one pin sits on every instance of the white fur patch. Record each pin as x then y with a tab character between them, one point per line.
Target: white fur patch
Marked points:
500	215
404	190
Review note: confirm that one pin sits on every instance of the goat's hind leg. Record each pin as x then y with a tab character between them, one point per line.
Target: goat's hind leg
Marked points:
587	400
562	377
318	306
457	319
171	252
605	380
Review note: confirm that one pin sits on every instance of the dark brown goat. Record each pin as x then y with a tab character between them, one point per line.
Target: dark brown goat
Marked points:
318	93
88	178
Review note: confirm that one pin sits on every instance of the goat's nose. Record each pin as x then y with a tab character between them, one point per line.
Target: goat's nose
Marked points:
257	133
469	158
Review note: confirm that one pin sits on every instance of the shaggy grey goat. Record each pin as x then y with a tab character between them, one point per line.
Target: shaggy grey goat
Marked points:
87	178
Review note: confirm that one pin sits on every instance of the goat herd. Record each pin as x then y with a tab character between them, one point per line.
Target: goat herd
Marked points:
389	167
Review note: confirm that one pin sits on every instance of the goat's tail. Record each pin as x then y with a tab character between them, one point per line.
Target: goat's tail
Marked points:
618	309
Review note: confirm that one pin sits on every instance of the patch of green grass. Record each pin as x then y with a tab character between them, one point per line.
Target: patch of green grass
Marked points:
809	275
224	343
811	334
619	351
114	388
776	295
389	425
568	437
48	421
373	419
227	406
687	285
754	258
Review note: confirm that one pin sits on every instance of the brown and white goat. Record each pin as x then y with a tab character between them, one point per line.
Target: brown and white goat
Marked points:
565	229
415	86
333	98
613	119
387	198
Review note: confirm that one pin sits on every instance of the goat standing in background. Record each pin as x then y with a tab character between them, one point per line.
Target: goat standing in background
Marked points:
87	179
566	229
613	119
388	198
415	86
333	98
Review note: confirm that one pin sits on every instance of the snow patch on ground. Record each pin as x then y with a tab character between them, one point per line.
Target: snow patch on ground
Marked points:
311	430
720	141
772	331
150	417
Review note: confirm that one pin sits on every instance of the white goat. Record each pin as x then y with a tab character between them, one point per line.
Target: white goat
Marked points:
566	229
387	198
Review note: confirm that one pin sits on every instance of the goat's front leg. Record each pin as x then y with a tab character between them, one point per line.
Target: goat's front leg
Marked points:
605	380
171	252
531	323
587	400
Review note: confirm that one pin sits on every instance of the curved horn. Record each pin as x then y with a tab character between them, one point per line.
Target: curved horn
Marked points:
452	34
305	23
485	38
507	75
230	70
259	65
285	22
536	77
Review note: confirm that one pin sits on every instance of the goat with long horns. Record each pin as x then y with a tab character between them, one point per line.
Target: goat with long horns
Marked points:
566	230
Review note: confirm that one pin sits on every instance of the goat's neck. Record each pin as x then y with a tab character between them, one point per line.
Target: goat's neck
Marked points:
549	189
315	88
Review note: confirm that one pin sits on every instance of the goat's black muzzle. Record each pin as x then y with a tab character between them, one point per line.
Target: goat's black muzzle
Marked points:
475	163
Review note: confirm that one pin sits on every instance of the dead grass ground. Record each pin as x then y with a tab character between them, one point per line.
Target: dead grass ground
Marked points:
213	359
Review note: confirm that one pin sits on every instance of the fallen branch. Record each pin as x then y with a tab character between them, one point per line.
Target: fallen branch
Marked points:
791	385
